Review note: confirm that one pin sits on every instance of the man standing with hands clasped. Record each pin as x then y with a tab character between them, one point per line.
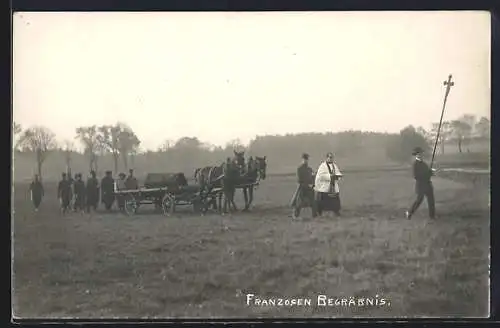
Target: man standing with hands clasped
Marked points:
327	186
423	184
304	194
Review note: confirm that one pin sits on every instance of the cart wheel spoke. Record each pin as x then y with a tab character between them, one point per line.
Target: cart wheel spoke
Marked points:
168	204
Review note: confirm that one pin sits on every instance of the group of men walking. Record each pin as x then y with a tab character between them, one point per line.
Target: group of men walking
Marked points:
320	191
74	194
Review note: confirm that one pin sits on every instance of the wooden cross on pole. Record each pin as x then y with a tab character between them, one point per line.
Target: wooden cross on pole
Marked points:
448	85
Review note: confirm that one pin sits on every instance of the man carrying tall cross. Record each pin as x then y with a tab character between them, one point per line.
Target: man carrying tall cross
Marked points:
423	172
423	185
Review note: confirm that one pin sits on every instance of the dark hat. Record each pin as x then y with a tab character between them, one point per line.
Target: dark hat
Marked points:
305	156
122	174
109	172
417	150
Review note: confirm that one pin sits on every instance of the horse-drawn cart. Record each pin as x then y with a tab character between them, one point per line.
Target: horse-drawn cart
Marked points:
166	191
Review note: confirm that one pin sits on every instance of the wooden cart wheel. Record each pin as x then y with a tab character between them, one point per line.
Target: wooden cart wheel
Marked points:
205	202
131	205
168	204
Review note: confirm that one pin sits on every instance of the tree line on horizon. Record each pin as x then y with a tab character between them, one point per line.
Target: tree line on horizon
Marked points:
120	143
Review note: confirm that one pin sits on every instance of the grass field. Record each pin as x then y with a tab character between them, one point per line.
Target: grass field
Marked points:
111	265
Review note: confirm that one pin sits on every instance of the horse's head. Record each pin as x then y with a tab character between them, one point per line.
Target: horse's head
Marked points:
261	166
239	158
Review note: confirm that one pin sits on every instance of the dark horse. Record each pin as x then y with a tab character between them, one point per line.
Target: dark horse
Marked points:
213	176
256	171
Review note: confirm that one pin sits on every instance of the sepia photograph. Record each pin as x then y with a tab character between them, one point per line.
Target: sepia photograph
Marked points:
224	165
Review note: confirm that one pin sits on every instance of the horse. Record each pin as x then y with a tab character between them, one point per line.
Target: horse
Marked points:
255	172
213	176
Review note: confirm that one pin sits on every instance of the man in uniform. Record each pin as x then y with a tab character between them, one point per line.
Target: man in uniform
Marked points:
79	190
36	190
131	182
422	174
92	191
107	190
304	194
64	193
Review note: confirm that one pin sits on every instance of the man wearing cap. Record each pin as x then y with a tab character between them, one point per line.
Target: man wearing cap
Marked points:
131	181
422	174
326	186
64	193
36	190
79	190
107	192
304	194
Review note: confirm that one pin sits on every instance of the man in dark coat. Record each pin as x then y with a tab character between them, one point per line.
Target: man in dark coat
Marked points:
304	194
92	191
231	174
79	190
131	182
422	174
36	190
107	190
64	193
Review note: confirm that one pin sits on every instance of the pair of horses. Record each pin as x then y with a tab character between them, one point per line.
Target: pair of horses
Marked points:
249	174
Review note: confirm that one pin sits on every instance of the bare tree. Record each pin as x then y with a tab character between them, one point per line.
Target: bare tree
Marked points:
89	138
120	140
109	141
461	131
444	135
128	143
40	141
483	128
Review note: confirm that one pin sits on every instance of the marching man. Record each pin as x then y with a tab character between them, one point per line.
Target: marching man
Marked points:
36	191
64	193
326	186
92	191
422	174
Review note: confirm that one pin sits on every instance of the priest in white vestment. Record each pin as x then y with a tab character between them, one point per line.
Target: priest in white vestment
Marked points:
326	186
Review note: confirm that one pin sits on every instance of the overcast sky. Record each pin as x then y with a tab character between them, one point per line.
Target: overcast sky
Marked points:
221	76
